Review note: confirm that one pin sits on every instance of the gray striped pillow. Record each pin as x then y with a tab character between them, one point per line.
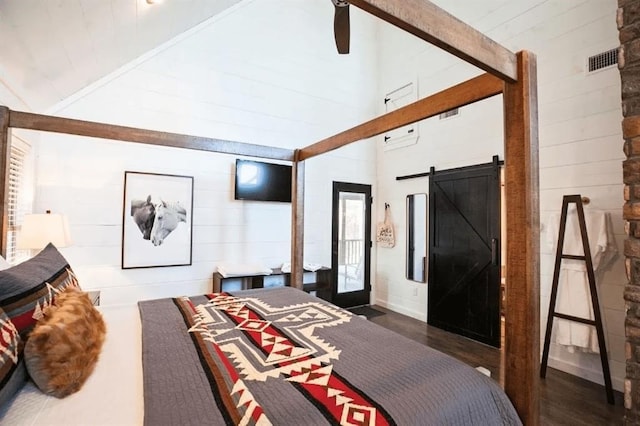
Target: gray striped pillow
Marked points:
29	287
13	373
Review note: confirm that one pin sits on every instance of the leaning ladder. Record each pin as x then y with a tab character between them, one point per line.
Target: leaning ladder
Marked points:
597	322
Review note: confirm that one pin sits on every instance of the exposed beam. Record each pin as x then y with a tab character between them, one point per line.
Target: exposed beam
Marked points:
522	311
5	157
25	120
476	89
427	21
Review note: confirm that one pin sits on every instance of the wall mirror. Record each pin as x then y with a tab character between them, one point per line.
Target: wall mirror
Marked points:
417	237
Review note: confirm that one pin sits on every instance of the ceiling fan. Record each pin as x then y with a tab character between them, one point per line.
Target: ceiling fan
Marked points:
341	31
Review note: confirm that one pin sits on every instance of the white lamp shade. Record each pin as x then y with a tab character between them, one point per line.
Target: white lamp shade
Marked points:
38	230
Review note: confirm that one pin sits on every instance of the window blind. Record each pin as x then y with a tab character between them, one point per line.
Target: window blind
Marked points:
15	208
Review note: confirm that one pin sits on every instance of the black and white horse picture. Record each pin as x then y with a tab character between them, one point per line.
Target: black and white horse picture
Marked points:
156	207
144	214
168	217
157	220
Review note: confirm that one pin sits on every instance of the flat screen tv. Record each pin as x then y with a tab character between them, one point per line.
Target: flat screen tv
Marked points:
260	181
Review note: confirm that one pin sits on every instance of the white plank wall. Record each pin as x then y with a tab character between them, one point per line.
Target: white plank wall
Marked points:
268	73
261	72
580	141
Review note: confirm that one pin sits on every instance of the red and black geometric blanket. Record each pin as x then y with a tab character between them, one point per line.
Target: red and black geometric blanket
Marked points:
280	356
243	340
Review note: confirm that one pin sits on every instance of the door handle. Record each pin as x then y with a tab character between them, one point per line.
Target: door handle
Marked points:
494	251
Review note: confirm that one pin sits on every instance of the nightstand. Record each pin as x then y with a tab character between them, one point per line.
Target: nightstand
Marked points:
321	283
94	295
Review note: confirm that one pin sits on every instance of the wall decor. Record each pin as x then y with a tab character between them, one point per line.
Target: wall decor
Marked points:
157	222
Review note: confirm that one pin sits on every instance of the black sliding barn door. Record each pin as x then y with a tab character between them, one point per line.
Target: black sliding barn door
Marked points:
464	251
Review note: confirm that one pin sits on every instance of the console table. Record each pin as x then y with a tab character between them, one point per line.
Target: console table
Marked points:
320	284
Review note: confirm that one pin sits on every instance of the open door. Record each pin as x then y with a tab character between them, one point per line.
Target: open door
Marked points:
464	251
351	244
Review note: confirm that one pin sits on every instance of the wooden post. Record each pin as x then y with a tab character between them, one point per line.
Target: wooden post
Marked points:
5	158
297	221
522	314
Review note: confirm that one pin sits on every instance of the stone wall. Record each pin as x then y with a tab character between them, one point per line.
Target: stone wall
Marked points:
628	20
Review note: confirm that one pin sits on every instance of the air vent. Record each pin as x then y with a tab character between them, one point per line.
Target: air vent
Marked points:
450	113
603	60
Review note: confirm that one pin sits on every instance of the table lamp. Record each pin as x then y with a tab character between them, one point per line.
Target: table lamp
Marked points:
38	230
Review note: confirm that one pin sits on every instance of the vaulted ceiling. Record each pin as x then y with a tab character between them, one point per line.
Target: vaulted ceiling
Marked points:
50	49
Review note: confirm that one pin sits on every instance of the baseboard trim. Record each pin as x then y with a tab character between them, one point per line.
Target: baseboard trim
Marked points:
402	310
594	376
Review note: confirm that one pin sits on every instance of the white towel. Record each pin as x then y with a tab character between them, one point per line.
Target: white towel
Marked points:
574	295
229	269
307	266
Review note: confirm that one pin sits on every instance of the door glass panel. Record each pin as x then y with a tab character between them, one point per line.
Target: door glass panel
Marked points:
351	240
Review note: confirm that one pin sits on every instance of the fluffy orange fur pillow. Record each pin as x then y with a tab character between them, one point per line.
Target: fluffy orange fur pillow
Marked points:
64	346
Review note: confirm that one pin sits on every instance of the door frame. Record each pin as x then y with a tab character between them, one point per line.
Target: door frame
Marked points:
355	298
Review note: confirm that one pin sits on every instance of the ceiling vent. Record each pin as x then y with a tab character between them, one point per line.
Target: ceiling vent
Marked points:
603	60
450	113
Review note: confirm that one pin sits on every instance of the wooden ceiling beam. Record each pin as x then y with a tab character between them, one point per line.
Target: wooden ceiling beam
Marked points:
26	120
427	21
470	91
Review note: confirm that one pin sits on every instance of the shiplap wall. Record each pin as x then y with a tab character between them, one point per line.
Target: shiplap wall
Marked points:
580	141
268	73
261	72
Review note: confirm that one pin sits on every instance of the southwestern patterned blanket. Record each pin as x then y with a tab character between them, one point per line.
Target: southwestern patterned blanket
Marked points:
282	357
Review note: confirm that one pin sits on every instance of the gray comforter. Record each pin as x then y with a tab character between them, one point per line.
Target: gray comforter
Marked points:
280	356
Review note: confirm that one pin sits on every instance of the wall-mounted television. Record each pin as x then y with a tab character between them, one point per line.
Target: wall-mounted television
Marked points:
256	180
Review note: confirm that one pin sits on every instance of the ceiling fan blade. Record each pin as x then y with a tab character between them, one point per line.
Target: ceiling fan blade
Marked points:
341	31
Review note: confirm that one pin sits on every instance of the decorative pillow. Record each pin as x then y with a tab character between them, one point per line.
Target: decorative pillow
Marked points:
65	344
12	370
29	287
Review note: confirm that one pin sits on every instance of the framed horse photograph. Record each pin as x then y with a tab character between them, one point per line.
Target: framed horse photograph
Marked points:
157	224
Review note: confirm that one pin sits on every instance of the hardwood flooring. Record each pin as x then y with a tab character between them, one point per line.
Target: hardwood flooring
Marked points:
564	399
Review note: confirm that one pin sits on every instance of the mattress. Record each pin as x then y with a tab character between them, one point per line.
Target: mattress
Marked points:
113	394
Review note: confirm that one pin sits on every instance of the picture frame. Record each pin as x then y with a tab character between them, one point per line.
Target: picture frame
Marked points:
157	220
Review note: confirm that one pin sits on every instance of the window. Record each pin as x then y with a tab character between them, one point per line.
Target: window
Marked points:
17	205
405	135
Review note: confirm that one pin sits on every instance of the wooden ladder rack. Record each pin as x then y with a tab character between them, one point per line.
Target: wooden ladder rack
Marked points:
597	321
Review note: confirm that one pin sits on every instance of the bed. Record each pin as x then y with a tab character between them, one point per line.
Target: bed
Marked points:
511	75
111	396
264	356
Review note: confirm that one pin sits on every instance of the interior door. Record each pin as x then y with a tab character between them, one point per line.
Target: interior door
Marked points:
351	244
464	251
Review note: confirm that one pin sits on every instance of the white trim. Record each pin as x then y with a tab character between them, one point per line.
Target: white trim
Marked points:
401	310
592	375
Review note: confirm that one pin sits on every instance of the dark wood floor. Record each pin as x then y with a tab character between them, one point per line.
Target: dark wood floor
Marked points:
564	399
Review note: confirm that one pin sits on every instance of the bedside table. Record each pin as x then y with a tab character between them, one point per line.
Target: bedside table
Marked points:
321	281
94	295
